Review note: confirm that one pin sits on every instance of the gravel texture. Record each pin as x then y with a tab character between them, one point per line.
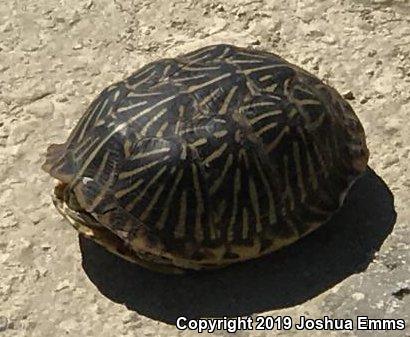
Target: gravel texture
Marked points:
56	56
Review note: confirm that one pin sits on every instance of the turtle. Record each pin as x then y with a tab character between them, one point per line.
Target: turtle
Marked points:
210	158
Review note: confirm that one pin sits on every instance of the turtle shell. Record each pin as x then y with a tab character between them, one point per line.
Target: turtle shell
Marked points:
213	157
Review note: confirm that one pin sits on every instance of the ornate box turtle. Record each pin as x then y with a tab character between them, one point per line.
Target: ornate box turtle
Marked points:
213	157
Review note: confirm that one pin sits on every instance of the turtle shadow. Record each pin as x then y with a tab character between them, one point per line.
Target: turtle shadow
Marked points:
343	246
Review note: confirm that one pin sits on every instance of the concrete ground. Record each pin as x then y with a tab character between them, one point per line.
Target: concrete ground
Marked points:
56	56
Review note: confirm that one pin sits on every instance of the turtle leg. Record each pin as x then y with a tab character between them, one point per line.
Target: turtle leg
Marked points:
105	239
110	241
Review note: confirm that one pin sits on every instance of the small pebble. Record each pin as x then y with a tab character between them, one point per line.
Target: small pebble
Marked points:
45	246
241	11
89	4
62	285
220	8
42	271
257	42
10	223
78	46
315	33
348	95
328	39
7	213
364	100
129	47
390	160
372	53
7	27
61	99
358	296
76	18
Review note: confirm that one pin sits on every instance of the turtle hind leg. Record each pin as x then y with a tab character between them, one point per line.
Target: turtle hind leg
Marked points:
118	248
111	242
154	266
